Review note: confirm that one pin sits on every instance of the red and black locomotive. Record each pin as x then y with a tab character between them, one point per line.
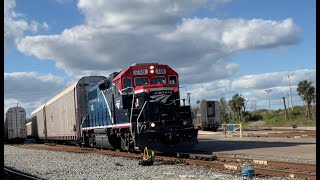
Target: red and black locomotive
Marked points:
139	107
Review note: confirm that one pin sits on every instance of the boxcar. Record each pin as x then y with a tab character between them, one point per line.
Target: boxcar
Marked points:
15	123
60	117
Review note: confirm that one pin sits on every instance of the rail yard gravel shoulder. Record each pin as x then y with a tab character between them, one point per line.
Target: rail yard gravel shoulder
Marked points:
64	165
266	158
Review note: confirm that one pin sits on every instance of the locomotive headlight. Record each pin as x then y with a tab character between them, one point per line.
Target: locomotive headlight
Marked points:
151	71
153	125
184	122
151	67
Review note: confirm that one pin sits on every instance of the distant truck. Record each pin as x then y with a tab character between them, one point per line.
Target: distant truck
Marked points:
207	115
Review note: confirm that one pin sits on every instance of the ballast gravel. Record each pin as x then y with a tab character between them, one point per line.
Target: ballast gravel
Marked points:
64	165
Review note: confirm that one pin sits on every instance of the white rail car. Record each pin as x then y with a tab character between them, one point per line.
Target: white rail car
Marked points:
15	123
29	130
60	117
208	115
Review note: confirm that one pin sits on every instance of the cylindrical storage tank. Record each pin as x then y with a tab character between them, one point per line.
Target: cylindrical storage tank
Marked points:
29	130
16	124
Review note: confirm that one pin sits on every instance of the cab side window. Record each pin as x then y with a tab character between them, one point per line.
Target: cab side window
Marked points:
126	82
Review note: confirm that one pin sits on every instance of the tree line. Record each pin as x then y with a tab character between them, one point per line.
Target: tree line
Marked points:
235	109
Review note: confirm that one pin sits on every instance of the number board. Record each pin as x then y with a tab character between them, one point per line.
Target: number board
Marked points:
160	71
140	72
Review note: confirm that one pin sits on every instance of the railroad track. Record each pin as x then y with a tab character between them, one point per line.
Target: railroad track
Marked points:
12	174
231	164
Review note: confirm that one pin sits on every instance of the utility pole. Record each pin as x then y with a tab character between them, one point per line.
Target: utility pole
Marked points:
288	75
285	108
287	96
268	91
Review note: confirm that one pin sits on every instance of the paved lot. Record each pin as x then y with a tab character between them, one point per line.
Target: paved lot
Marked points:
288	148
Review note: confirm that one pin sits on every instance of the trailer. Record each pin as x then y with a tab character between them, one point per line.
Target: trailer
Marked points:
15	123
207	115
60	118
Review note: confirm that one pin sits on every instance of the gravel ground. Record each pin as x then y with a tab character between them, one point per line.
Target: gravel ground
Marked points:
267	158
64	165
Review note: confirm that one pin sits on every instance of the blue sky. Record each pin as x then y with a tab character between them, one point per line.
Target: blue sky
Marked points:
46	53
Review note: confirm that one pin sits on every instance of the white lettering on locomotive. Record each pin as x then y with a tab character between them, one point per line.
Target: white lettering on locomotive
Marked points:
163	92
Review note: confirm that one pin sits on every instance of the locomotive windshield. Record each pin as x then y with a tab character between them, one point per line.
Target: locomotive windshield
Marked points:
172	79
158	80
141	81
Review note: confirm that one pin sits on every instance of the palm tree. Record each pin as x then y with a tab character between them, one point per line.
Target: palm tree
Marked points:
237	104
224	110
307	93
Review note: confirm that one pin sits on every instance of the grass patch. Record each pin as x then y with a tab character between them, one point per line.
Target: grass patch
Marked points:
276	118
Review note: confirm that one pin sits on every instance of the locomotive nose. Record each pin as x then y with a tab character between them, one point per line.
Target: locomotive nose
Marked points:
171	138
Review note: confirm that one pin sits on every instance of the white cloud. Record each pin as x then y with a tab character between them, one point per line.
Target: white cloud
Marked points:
137	13
45	26
252	87
30	89
118	33
268	80
15	25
